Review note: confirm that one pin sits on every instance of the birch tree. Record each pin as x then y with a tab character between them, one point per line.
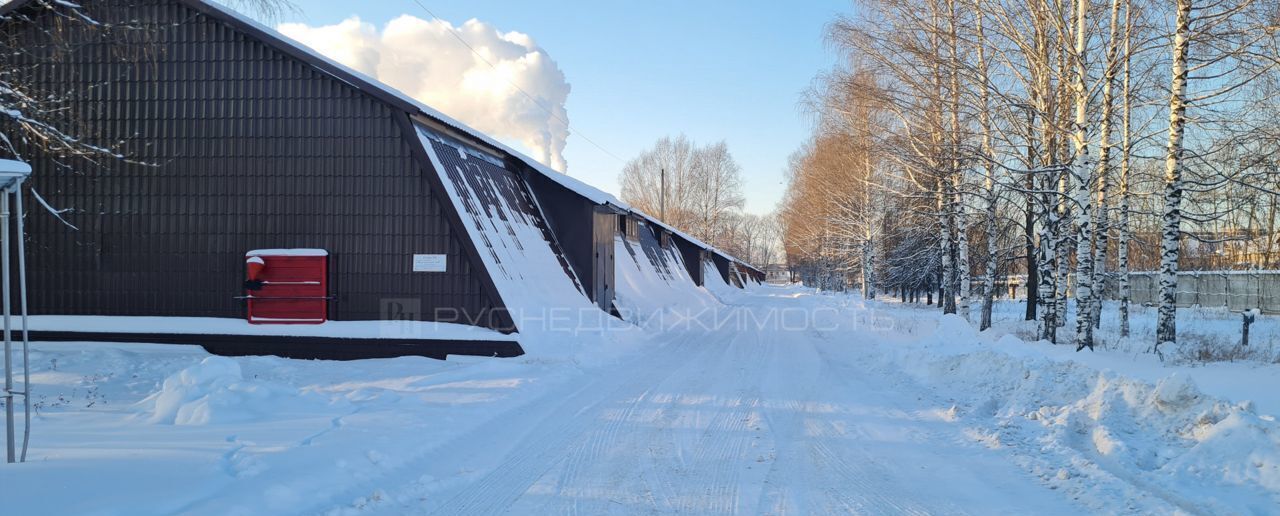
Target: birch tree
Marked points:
1126	147
1082	169
987	158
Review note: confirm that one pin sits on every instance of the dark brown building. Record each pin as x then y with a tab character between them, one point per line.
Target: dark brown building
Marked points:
237	139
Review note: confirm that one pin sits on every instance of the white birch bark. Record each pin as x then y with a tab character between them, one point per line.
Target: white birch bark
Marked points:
1046	182
947	243
1171	219
1062	279
1122	246
959	229
1105	166
1081	168
963	279
988	173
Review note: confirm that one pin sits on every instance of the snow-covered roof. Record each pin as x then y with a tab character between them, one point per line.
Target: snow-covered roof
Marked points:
11	167
287	252
673	230
12	173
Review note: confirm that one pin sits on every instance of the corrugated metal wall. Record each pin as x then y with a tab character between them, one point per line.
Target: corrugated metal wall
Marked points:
693	256
585	233
722	266
241	147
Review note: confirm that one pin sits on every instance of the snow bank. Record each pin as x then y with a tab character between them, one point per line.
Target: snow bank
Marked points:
228	326
215	391
646	296
715	283
1078	427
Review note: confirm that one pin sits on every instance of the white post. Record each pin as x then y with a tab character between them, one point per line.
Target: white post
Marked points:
26	335
12	173
10	452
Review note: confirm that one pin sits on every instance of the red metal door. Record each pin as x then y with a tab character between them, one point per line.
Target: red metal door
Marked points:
292	287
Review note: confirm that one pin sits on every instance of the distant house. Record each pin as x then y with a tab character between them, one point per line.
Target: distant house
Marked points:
240	140
777	273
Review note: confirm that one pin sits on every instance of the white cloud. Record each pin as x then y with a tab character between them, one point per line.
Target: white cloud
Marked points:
423	59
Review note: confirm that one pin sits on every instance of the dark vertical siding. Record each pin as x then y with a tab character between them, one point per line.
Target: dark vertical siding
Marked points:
235	146
650	240
584	231
692	256
722	266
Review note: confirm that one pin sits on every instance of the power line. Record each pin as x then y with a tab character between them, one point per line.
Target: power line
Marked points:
533	99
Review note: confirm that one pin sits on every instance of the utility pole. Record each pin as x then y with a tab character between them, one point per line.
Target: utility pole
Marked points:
662	202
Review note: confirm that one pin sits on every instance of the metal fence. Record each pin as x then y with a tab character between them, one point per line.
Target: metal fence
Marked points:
1233	290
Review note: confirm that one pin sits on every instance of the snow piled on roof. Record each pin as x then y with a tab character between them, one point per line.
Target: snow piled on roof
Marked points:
716	284
653	298
534	281
287	252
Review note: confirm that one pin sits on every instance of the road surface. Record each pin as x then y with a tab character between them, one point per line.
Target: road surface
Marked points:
748	419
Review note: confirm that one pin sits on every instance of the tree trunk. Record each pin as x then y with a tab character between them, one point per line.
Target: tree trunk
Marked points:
1062	279
1166	323
1029	226
1043	96
1105	167
1122	251
946	290
963	280
868	271
958	295
988	172
1082	169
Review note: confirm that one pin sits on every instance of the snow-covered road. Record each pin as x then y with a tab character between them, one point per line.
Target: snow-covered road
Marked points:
753	418
782	402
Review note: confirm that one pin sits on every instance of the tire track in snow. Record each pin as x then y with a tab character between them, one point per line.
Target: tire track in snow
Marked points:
580	457
665	459
780	494
679	430
615	453
819	467
545	448
725	442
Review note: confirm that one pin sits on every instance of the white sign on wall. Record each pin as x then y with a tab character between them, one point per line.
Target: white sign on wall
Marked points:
429	263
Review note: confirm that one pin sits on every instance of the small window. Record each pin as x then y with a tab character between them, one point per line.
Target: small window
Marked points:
633	228
665	240
629	227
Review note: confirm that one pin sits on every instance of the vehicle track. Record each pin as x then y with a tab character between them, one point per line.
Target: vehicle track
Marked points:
735	421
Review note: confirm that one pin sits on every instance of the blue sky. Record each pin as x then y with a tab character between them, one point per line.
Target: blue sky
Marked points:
731	70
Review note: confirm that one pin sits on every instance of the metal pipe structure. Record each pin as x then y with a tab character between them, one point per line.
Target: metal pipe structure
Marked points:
12	174
26	335
10	453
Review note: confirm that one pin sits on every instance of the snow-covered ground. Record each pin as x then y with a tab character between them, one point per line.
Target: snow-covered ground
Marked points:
781	401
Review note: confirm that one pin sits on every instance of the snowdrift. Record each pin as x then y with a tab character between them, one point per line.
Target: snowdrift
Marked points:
1078	428
653	284
715	283
216	391
537	285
